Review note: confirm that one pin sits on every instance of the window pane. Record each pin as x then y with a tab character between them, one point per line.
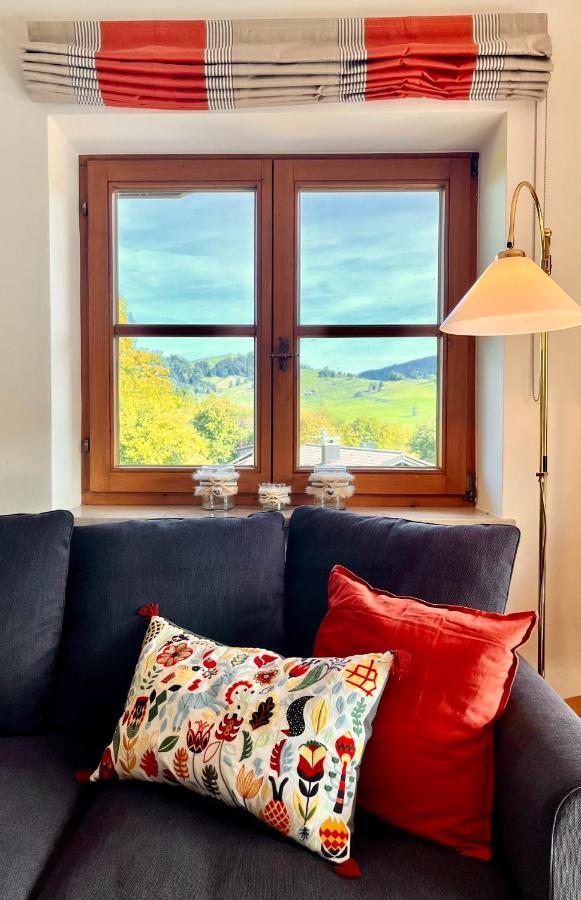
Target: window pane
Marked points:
369	403
185	401
369	257
186	257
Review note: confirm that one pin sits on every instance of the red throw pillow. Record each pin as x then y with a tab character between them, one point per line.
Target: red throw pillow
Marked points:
428	768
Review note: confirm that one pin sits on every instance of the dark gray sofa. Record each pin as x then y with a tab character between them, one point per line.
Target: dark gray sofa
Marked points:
66	664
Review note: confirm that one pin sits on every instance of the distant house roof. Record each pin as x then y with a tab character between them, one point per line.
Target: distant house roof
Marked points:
362	458
352	457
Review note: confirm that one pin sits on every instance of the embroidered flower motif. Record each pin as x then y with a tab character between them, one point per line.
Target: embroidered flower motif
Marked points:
334	835
299	669
199	739
173	653
311	765
106	767
247	784
310	770
136	716
265	676
228	727
237	691
263	660
345	747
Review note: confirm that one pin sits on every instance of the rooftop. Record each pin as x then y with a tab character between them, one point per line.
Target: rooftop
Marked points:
352	457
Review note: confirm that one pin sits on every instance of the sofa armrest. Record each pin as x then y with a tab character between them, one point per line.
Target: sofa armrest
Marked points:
538	790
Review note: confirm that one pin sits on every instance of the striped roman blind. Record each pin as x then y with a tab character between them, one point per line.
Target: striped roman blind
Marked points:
224	63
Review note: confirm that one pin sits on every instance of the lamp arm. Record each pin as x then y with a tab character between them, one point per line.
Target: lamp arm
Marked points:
544	233
545	236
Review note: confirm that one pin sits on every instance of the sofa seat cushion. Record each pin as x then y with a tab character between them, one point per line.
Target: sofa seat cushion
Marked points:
39	801
140	841
219	577
465	565
34	560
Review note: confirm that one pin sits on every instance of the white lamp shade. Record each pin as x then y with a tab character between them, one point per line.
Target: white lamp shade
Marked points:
513	296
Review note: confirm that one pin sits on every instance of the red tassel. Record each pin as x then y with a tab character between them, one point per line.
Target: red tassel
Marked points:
401	665
348	869
83	776
149	610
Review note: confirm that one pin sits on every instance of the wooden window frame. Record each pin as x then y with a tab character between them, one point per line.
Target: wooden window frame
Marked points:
277	181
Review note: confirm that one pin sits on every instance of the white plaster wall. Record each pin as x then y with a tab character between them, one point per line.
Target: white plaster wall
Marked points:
25	442
490	351
65	345
39	400
564	216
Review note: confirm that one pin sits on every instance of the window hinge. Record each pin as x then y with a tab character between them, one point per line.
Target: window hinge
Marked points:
474	165
84	208
86	445
470	494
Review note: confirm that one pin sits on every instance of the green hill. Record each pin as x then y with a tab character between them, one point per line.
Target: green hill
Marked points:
426	367
344	397
407	397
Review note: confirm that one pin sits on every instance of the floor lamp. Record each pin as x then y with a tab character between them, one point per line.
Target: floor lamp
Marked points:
516	296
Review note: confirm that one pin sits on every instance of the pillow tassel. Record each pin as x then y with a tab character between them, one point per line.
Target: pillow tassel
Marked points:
149	610
348	869
401	666
83	776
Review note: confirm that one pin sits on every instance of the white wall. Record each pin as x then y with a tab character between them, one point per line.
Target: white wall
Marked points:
65	345
39	378
25	438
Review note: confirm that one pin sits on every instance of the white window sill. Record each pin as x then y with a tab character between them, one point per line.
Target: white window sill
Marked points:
93	515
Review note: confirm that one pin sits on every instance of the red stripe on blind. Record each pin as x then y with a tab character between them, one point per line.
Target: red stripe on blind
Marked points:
123	44
420	56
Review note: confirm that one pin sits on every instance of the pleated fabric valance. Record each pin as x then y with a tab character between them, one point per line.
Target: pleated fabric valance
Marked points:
224	64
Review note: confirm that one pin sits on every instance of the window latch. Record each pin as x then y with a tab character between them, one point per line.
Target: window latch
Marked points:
283	354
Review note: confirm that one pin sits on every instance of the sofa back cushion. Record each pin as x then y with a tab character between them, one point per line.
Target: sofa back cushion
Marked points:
34	558
219	577
463	565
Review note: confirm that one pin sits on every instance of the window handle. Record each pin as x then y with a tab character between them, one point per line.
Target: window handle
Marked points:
283	354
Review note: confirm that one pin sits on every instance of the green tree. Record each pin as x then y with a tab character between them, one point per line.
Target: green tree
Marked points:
218	421
423	441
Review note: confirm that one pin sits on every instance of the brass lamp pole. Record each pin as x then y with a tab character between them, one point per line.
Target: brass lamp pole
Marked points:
515	296
543	469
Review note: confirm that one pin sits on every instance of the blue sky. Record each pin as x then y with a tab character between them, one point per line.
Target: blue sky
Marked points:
366	258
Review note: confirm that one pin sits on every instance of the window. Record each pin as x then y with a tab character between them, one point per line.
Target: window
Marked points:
276	313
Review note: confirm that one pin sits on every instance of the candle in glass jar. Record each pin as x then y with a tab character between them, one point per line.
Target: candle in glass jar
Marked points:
274	495
331	486
217	486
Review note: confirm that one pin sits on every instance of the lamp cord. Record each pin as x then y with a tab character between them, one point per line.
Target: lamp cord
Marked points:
534	354
542	475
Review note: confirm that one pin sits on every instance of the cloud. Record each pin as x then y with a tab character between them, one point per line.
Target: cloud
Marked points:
369	257
366	258
188	260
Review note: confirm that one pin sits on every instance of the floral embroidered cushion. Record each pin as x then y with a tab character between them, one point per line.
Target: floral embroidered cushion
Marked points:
281	737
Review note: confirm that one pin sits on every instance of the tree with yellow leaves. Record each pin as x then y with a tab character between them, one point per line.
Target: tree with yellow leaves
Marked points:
154	419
